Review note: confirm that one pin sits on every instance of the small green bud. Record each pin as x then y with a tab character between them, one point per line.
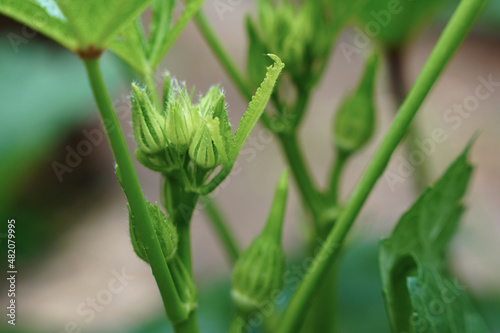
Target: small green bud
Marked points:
258	273
355	120
213	136
181	117
202	149
165	231
148	123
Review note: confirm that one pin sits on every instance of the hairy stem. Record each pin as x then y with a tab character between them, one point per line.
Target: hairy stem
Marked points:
133	192
451	38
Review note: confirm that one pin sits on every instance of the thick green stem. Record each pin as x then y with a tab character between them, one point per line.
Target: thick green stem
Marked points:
396	79
133	192
180	205
221	226
184	247
453	35
188	326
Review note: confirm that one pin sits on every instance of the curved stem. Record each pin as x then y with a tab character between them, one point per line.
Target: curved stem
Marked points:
332	194
221	226
308	192
225	59
133	192
300	108
451	38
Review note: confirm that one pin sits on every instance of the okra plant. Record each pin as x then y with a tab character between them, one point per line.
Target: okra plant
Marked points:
187	138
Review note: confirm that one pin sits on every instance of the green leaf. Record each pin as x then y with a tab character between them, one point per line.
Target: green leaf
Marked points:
419	295
96	23
143	55
86	27
256	107
131	47
393	22
44	16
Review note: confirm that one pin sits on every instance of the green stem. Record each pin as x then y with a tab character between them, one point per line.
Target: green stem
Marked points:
152	89
334	188
451	38
300	108
227	63
184	247
188	326
225	59
296	162
221	226
397	82
133	192
180	205
308	192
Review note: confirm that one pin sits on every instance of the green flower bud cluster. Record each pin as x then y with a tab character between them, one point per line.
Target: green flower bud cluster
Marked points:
191	137
165	231
354	122
300	33
258	273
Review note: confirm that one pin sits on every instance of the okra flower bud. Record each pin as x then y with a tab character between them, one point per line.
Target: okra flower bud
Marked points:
202	149
212	138
300	33
181	115
258	273
148	123
165	231
355	120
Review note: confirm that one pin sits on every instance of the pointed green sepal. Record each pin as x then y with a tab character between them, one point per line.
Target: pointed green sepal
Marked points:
258	273
147	122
